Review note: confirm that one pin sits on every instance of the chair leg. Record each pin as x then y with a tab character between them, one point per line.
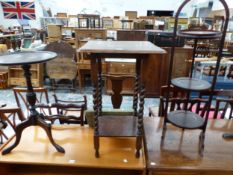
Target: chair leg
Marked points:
80	80
201	143
138	146
164	131
53	84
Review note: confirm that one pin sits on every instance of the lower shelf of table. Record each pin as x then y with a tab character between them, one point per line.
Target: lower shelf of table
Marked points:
117	126
185	119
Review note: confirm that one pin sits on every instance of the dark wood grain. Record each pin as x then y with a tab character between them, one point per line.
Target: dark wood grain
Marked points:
179	153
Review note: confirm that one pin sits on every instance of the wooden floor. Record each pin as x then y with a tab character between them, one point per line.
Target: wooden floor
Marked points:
179	154
117	155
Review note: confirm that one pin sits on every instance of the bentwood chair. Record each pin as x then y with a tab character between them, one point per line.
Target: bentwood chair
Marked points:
71	111
224	104
8	121
41	97
174	93
64	67
66	111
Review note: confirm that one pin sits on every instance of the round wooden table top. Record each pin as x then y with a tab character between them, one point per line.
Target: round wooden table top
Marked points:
191	83
22	58
185	119
201	34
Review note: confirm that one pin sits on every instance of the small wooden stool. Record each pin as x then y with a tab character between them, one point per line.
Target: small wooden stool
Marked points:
3	80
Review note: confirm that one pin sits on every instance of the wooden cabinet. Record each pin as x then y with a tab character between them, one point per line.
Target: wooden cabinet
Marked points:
87	34
81	37
131	35
181	62
154	70
121	68
16	75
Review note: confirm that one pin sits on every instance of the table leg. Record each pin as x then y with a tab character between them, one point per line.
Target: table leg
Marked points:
34	119
95	77
31	122
140	121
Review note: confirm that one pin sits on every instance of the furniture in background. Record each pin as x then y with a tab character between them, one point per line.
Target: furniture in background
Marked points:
155	69
70	111
107	22
25	59
64	66
126	24
89	21
224	105
181	62
22	102
120	68
118	126
131	35
173	94
16	75
131	14
54	32
124	66
53	25
9	118
3	80
63	110
82	36
208	67
11	40
68	35
3	69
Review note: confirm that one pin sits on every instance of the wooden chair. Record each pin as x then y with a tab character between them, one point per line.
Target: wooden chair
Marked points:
41	97
82	36
73	114
224	104
186	107
66	111
174	93
64	66
8	121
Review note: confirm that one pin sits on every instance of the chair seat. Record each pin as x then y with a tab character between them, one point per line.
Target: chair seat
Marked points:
154	112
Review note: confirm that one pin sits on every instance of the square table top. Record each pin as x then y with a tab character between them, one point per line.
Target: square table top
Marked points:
124	47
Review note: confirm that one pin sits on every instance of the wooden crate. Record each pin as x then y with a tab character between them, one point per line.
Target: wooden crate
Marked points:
54	31
3	80
61	15
16	75
3	48
131	14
